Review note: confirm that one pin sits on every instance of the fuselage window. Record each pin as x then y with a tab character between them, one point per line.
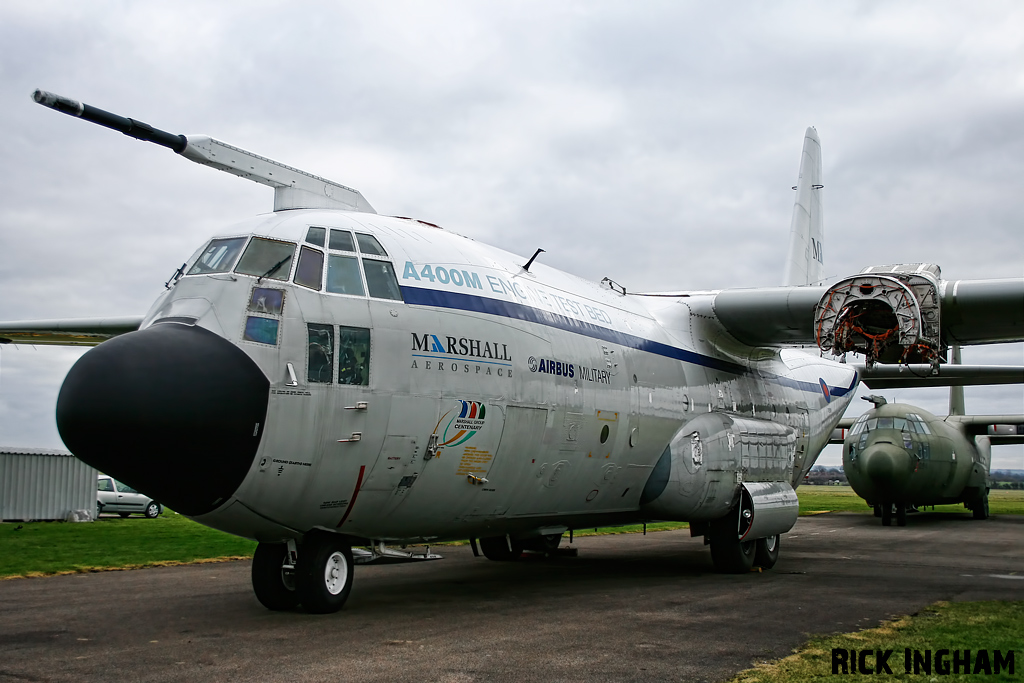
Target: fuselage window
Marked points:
267	259
218	257
320	365
310	271
265	300
343	275
261	330
353	355
341	240
368	244
381	280
316	236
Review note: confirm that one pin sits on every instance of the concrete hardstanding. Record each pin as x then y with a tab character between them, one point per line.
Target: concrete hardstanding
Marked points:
629	608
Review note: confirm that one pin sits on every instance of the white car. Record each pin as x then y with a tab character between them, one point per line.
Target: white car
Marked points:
113	496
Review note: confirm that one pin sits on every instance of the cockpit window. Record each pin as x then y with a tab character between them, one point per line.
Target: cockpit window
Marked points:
320	363
353	355
341	240
267	259
343	275
316	236
368	244
381	280
885	423
899	423
310	271
218	257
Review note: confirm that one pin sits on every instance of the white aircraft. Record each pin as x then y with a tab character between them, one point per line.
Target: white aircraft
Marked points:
323	377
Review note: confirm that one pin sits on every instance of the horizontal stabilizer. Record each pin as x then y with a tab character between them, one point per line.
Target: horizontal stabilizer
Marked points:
67	332
923	375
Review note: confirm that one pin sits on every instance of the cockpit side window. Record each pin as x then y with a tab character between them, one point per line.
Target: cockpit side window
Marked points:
320	364
341	240
316	236
218	257
381	280
267	259
343	275
368	244
353	355
310	271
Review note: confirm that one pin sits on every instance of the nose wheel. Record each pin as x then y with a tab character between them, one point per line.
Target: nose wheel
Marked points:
323	575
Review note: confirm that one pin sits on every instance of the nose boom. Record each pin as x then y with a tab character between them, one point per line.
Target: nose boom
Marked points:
175	411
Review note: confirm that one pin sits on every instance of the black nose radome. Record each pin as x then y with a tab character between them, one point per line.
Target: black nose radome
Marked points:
175	411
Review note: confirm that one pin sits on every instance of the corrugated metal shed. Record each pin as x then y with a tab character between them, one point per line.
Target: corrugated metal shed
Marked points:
44	484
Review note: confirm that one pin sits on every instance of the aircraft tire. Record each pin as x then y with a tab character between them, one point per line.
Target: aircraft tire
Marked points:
877	510
766	552
268	580
901	514
980	507
323	576
501	548
886	514
730	555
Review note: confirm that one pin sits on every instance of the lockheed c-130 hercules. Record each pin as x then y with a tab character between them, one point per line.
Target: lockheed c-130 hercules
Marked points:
323	377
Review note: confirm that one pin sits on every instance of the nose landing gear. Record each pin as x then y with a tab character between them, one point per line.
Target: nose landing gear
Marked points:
320	580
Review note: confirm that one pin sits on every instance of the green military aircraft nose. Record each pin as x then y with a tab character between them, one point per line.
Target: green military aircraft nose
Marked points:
887	467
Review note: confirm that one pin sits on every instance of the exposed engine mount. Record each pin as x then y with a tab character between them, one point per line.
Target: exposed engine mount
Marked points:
888	313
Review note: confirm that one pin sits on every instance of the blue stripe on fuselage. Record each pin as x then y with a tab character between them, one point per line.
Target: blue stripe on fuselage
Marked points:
507	309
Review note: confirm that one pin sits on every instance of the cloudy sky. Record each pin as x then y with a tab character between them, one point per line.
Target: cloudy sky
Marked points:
655	143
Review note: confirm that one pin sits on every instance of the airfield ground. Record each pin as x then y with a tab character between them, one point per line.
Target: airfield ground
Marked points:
42	548
630	607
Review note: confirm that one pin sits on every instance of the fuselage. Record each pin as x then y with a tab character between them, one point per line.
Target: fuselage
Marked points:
422	385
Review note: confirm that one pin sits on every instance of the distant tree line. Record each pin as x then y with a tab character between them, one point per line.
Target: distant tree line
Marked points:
832	476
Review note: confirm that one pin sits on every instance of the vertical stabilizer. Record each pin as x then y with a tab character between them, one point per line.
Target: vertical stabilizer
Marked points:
805	261
956	393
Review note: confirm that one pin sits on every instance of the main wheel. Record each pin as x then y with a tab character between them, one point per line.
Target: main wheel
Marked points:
730	555
274	588
766	553
886	514
980	508
323	577
501	548
152	510
901	514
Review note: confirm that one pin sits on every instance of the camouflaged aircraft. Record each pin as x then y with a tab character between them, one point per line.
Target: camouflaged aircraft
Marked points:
329	381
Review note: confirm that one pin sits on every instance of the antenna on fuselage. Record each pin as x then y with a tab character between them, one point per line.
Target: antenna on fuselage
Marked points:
530	262
293	189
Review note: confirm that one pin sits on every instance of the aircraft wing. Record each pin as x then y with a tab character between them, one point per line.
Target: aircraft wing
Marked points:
923	375
67	332
891	314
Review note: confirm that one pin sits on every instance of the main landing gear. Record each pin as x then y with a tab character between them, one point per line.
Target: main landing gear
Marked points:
319	577
732	555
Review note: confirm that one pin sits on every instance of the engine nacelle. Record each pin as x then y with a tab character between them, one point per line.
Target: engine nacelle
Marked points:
704	471
891	314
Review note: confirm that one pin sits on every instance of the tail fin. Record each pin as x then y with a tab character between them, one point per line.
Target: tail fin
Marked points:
805	261
956	394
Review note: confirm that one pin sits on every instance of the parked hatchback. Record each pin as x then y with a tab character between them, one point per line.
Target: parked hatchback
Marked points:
113	496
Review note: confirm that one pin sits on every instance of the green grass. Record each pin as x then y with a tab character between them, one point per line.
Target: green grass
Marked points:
957	626
41	548
816	499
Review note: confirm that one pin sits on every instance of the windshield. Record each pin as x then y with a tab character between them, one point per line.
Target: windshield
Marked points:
267	258
218	257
